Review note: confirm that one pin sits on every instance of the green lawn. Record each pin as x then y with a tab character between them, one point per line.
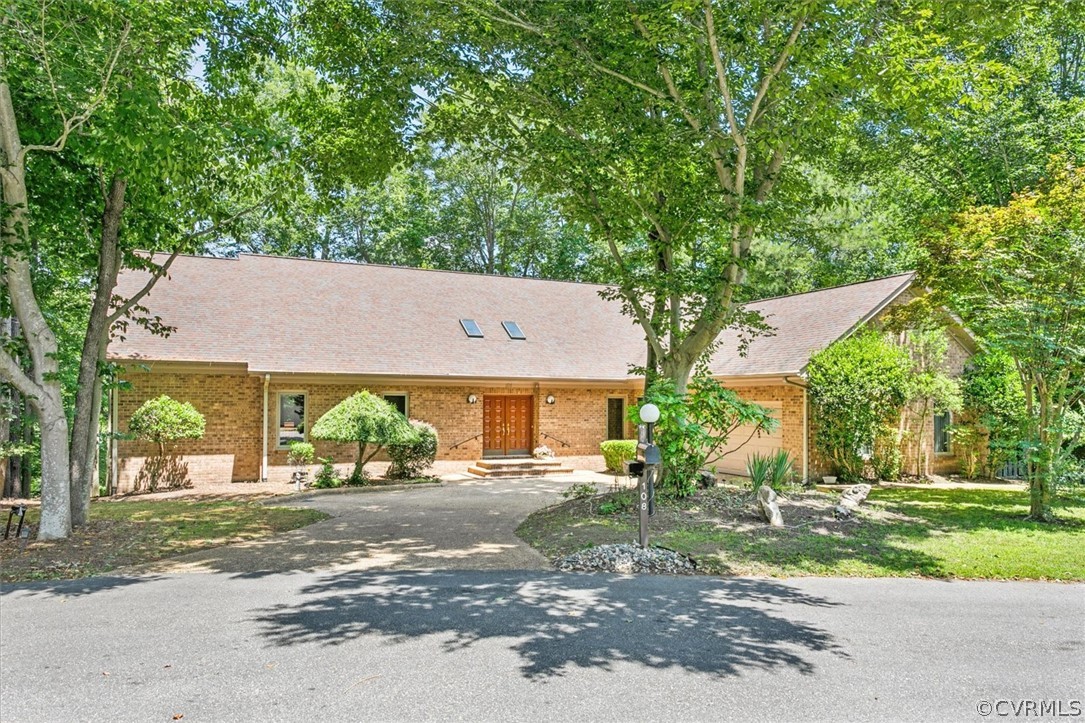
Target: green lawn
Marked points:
901	532
126	532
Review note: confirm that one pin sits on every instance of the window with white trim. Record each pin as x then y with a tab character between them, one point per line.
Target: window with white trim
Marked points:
290	418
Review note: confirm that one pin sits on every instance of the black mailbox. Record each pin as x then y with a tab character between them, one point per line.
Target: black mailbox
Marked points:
649	454
633	467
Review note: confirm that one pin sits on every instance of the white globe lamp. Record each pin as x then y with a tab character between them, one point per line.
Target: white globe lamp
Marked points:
649	414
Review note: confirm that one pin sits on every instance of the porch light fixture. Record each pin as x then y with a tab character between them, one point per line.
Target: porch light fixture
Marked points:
550	399
471	399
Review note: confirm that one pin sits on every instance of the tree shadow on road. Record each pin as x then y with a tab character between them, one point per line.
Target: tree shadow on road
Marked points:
557	622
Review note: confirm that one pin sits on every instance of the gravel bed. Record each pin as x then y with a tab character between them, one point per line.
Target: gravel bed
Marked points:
626	559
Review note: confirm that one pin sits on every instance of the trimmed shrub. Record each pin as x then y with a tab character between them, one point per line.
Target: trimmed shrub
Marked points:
617	451
300	454
414	456
163	420
328	476
366	420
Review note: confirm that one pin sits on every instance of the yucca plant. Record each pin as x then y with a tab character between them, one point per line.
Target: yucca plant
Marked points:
759	468
774	469
780	469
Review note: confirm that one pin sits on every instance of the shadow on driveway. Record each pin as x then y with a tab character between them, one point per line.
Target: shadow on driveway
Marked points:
556	621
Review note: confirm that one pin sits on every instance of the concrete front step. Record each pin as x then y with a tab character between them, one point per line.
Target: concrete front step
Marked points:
518	471
517	463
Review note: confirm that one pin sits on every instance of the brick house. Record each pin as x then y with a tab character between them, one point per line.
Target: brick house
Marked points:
263	346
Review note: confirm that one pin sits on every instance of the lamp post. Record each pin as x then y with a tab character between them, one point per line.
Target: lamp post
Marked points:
648	453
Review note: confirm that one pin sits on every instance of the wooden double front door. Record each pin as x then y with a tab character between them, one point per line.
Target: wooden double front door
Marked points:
507	427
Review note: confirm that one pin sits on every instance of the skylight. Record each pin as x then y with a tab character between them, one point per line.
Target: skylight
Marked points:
471	328
513	330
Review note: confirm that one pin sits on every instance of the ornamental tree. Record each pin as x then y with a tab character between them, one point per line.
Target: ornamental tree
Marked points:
366	420
1014	274
695	426
164	420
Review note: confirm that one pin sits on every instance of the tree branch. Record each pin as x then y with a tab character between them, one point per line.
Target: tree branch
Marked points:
721	74
157	274
73	123
778	66
515	20
11	371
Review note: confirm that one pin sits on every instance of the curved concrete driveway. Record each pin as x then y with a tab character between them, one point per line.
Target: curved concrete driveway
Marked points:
462	525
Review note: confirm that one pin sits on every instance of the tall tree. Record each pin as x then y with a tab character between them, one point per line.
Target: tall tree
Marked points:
460	208
1014	272
669	127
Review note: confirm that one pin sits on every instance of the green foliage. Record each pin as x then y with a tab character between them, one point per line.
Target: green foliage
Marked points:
857	386
1014	274
888	459
412	457
671	129
328	476
994	398
617	503
931	391
693	428
758	468
968	441
776	470
617	451
300	454
579	491
366	420
163	420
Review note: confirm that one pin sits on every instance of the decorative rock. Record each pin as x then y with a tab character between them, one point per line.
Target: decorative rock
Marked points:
770	510
706	478
853	496
626	559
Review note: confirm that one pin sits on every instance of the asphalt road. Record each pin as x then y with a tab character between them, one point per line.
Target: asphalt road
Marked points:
370	615
505	645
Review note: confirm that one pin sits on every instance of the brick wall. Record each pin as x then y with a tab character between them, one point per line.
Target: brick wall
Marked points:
233	407
230	448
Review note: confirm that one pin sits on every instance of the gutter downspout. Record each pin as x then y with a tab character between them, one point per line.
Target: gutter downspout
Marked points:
805	428
112	484
263	464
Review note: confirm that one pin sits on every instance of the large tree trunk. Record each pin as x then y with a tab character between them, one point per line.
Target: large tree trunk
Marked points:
1042	472
42	386
88	398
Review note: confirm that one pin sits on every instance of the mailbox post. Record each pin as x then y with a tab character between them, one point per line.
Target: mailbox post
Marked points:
649	457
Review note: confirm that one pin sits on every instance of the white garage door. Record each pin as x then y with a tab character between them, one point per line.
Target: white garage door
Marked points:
763	443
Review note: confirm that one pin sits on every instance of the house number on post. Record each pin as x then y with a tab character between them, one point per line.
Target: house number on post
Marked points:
649	457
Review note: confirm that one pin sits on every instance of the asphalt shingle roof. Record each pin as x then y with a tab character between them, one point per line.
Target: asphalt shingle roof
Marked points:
286	315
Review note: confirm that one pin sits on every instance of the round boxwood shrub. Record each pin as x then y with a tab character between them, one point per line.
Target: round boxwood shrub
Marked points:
415	455
617	451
